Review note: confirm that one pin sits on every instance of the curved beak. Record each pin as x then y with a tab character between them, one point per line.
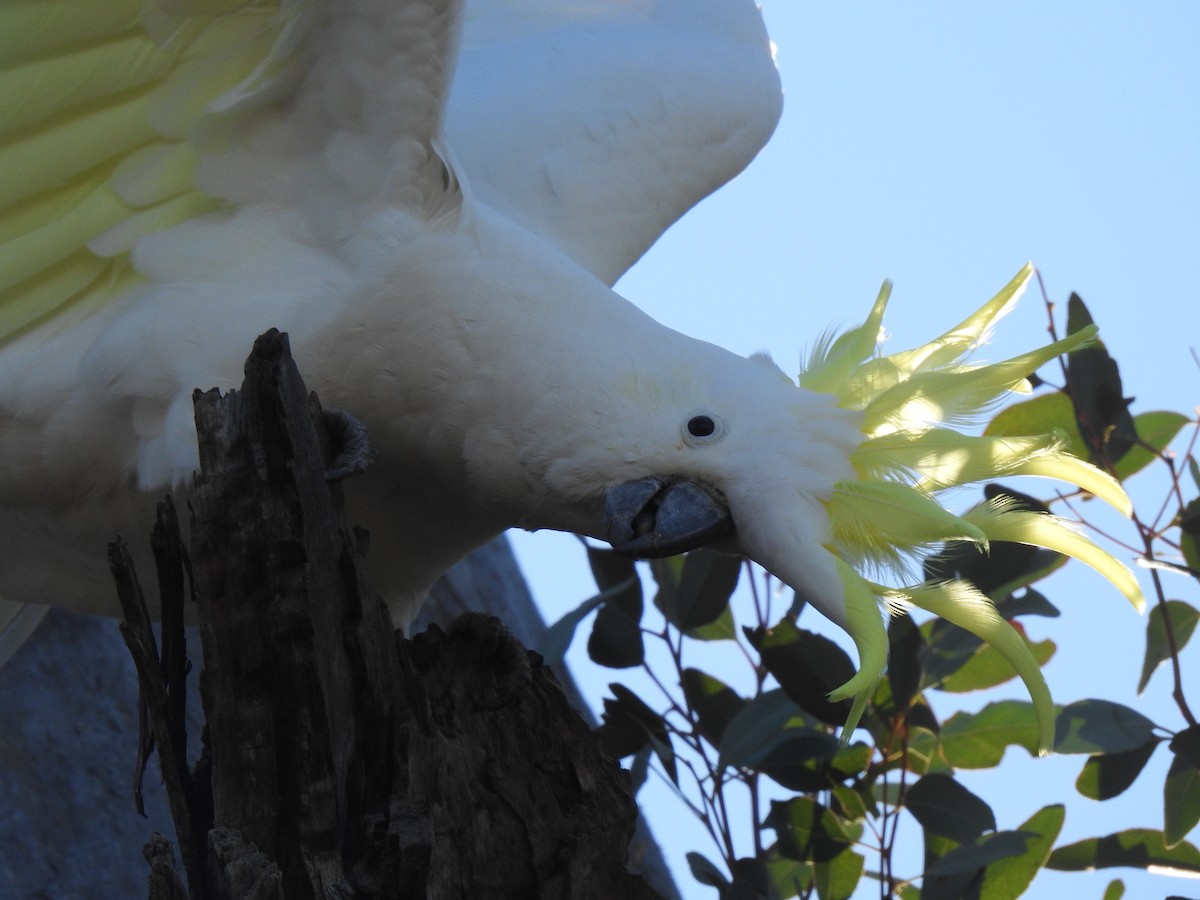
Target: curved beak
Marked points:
655	517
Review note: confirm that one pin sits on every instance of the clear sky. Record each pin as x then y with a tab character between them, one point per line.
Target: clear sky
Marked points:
942	148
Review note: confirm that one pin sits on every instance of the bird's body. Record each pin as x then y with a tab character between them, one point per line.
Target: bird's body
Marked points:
444	277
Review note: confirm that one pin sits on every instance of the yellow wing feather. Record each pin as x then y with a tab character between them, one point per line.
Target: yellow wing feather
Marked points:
99	106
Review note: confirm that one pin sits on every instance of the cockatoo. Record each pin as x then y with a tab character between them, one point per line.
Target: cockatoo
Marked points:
434	201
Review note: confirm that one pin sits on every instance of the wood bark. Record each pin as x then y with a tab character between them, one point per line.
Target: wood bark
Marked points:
340	761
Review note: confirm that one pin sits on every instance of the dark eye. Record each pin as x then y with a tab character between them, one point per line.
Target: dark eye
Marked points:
701	426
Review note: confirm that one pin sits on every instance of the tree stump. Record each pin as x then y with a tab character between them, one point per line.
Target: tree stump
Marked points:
340	760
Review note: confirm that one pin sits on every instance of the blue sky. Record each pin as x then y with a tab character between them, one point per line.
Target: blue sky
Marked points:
943	148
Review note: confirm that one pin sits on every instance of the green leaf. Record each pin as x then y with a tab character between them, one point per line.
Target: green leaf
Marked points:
837	878
1183	617
751	880
715	703
1009	877
807	666
1100	726
763	724
945	807
806	830
1156	428
1115	890
800	762
905	648
1181	790
707	582
721	629
1188	521
988	668
616	638
557	638
628	724
789	877
983	851
706	872
1044	414
1094	383
1106	775
978	740
1135	848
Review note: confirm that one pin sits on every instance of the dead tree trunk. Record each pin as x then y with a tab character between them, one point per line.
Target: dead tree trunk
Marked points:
339	761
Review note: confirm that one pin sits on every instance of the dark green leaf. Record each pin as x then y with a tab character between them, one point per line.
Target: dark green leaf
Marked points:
808	831
837	878
611	570
616	638
714	702
1009	877
751	880
557	638
1029	603
946	808
1183	618
761	726
1004	568
960	872
705	872
1106	775
1157	429
1100	726
801	761
1136	848
988	668
1115	890
1181	791
1189	533
705	586
978	740
628	723
1094	383
906	647
722	629
789	877
807	666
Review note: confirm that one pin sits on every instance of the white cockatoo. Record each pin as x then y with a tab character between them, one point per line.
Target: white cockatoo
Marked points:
434	201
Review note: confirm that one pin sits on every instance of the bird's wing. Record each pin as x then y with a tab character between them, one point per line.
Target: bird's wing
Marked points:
121	118
598	124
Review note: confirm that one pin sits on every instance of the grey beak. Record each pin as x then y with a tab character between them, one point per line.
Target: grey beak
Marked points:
656	517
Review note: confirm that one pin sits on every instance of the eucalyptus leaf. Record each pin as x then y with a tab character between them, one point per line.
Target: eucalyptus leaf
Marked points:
1106	775
979	740
945	807
1181	790
714	702
1183	618
556	640
837	878
759	727
706	872
1135	848
1010	876
1100	726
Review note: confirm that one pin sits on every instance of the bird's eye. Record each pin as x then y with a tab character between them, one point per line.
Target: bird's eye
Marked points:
703	428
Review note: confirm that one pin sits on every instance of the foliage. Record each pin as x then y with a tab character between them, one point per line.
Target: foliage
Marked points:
841	806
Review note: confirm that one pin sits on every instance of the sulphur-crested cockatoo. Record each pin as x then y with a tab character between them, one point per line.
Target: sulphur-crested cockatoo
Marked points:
436	222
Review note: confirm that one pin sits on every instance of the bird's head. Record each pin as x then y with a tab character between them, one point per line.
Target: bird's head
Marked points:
832	483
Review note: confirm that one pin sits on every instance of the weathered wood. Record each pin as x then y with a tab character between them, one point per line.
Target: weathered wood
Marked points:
344	761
